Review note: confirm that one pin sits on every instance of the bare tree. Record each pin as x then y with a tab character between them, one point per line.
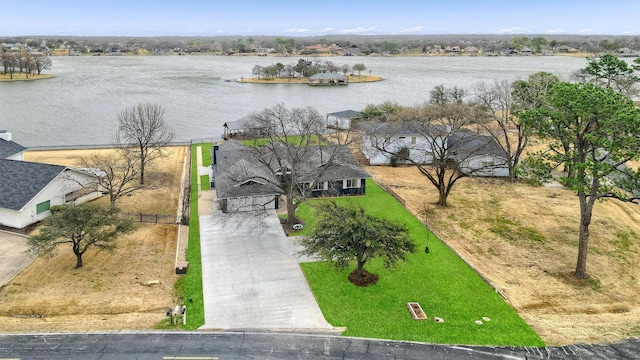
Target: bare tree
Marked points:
504	127
41	62
143	128
292	146
9	63
115	171
439	144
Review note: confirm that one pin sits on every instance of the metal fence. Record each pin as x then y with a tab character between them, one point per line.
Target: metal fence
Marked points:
393	193
111	146
152	218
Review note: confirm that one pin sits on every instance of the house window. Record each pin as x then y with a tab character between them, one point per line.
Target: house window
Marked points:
413	139
387	140
320	186
351	183
487	163
43	207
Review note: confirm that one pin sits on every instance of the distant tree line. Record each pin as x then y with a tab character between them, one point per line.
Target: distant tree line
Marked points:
366	44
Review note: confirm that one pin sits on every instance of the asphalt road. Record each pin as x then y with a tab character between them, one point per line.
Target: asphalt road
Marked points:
246	345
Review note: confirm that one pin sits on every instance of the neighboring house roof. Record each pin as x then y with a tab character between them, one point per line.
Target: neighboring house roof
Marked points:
240	124
467	144
400	128
344	165
21	181
346	114
9	148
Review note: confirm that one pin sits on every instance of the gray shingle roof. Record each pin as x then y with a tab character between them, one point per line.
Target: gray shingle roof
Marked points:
20	181
401	128
237	173
8	148
346	114
240	124
466	144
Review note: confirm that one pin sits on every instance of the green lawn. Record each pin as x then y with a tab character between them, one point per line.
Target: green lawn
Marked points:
193	279
294	139
440	281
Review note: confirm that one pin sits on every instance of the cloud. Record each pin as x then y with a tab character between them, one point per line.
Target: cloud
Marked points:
512	30
413	29
358	30
557	31
297	31
329	29
585	31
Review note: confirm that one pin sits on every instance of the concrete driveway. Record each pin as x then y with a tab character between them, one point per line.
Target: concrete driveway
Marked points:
12	256
251	278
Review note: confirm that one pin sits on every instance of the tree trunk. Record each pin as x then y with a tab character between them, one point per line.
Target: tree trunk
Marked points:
360	269
512	172
291	212
442	195
141	170
78	260
586	210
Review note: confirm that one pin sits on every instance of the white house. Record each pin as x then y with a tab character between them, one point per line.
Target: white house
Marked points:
478	155
380	139
392	142
341	119
28	190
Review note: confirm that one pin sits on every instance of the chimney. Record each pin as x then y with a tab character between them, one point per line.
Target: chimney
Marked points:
5	135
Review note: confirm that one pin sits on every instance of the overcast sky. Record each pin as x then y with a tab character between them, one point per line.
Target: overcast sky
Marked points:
317	17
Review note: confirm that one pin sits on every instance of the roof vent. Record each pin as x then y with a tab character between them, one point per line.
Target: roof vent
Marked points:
5	135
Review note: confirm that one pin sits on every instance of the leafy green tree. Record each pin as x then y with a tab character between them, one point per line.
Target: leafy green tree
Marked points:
81	226
611	72
379	112
285	46
601	127
441	95
389	46
538	43
347	233
360	67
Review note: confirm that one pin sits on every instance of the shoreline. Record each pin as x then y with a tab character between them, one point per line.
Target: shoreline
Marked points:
22	77
305	80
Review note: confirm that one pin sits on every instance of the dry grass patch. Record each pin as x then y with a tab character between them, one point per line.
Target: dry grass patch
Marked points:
51	294
160	195
129	288
524	239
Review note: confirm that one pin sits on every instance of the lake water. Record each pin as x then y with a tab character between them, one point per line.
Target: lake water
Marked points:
80	105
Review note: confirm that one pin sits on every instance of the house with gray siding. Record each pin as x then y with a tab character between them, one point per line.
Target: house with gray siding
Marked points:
246	183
